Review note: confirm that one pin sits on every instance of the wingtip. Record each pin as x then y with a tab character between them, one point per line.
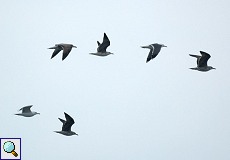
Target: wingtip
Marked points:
147	60
105	35
202	52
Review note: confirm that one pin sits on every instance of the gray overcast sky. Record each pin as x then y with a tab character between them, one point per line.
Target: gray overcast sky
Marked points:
123	107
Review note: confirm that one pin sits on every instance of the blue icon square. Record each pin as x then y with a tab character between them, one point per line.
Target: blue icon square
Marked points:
10	149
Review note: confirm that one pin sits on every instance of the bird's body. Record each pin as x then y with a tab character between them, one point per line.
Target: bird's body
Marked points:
26	112
154	50
66	133
65	47
202	62
101	50
102	54
66	127
202	69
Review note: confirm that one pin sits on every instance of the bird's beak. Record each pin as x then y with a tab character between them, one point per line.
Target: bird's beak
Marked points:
74	47
144	46
164	46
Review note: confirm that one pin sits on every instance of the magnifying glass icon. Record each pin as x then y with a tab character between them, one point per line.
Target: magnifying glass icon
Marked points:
9	147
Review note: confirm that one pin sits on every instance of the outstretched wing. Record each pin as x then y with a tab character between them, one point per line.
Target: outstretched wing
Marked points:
154	50
66	50
56	51
196	56
103	46
26	109
150	53
204	59
62	120
68	123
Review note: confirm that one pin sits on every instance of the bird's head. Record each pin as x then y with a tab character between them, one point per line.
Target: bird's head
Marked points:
212	67
107	53
162	45
73	133
37	113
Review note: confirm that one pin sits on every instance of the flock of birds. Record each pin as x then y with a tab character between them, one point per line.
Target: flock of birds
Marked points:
66	126
154	51
101	51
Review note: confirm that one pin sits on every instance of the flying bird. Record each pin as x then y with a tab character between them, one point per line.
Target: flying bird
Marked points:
202	62
65	47
26	112
66	127
154	50
101	50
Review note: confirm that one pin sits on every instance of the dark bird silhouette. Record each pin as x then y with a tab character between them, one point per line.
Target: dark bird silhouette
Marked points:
65	47
101	50
154	50
202	62
26	112
66	127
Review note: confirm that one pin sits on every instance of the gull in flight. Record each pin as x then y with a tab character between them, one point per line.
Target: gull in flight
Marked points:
65	47
66	127
202	62
26	112
154	50
101	50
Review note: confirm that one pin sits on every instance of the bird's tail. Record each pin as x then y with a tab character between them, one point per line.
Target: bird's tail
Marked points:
53	47
192	55
145	47
93	53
